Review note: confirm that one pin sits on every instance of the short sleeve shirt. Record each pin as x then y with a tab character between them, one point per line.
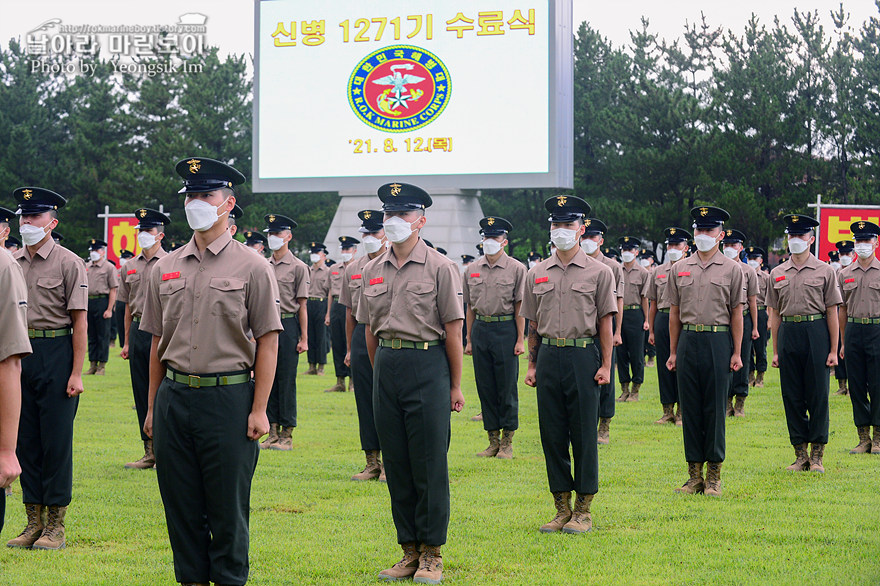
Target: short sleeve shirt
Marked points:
336	272
568	301
134	276
658	283
750	279
353	284
494	289
319	281
203	304
292	275
57	284
412	302
636	279
617	269
763	286
803	290
14	339
101	277
861	289
706	294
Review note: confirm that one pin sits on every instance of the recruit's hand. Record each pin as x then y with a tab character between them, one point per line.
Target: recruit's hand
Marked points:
108	314
74	386
651	338
326	323
302	346
467	348
347	359
456	399
618	340
755	334
519	348
148	424
603	376
670	364
832	359
775	362
531	378
645	326
258	425
842	357
10	469
124	352
736	362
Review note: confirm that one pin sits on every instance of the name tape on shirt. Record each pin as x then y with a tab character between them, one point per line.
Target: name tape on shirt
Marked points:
131	272
335	273
475	275
541	280
850	280
377	281
661	276
684	274
169	276
782	278
357	276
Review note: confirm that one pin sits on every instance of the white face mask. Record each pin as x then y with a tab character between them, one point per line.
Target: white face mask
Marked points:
146	240
314	257
201	216
730	252
645	262
372	244
704	242
347	256
31	235
397	229
797	246
491	247
122	261
628	256
94	256
864	250
846	260
674	254
563	238
257	249
589	245
755	264
275	242
836	266
532	263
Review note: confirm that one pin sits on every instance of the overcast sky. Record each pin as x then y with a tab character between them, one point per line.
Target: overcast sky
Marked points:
230	22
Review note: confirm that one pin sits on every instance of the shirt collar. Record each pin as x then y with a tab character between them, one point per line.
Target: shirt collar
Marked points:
44	251
284	260
500	263
419	253
875	264
219	243
580	259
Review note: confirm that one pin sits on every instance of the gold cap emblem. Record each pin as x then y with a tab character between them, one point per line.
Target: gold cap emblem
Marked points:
313	245
730	232
27	193
672	231
271	218
560	201
795	219
704	212
395	189
142	213
861	225
194	165
626	238
587	222
490	221
368	214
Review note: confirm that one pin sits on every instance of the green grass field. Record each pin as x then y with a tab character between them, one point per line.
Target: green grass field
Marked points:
311	525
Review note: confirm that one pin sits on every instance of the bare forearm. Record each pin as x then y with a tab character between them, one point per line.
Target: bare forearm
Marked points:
619	325
454	354
80	340
10	402
534	344
736	328
833	327
350	324
520	324
774	328
111	301
674	328
842	318
469	320
128	321
264	369
157	372
606	339
303	319
372	344
652	315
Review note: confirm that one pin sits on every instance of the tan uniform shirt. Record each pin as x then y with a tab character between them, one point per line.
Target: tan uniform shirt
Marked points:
57	284
861	289
567	302
750	281
203	305
412	302
14	339
763	286
336	272
494	289
319	281
101	277
804	290
658	284
636	279
292	275
134	274
706	295
617	269
353	284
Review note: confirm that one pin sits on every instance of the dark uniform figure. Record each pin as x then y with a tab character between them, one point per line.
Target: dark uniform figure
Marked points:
358	358
12	244
132	292
631	352
466	260
802	302
493	290
758	362
234	216
118	323
569	299
411	306
319	289
51	380
845	256
103	283
292	275
256	242
205	412
648	259
706	296
348	249
860	327
658	321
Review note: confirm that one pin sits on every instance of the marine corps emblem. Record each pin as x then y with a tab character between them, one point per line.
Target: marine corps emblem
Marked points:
368	214
704	212
587	222
27	193
672	231
491	221
730	232
395	190
142	213
194	165
271	218
861	225
560	200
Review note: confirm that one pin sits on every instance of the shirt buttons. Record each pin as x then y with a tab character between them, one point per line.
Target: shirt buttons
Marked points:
195	347
225	283
201	269
195	321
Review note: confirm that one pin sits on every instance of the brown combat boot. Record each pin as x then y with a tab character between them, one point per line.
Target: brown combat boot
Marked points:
477	417
841	387
272	438
320	370
339	387
312	369
562	501
634	394
350	385
580	521
751	378
624	392
668	414
739	407
603	436
802	461
372	469
406	567
875	446
53	534
93	366
678	415
382	477
430	566
147	461
759	380
816	453
864	446
694	484
649	363
713	479
494	445
730	407
36	522
100	369
505	452
285	439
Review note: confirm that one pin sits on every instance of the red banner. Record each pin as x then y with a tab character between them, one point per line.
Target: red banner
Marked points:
121	235
834	226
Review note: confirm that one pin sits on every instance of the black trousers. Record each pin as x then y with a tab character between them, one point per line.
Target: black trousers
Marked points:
703	373
739	381
205	463
118	325
650	349
862	346
631	353
759	346
568	414
45	430
606	392
412	409
666	379
496	372
139	344
281	407
362	378
840	370
99	330
337	339
803	349
317	352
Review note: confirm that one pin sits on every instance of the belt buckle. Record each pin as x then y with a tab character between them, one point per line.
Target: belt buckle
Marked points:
798	319
699	328
32	333
396	343
560	342
49	334
194	382
424	345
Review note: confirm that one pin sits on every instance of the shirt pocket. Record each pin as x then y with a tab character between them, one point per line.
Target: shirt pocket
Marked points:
172	299
51	292
226	296
584	297
475	289
287	288
421	297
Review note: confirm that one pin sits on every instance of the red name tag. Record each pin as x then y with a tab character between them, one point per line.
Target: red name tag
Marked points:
661	276
169	276
131	272
353	277
782	278
849	281
376	281
541	280
684	274
475	274
335	273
